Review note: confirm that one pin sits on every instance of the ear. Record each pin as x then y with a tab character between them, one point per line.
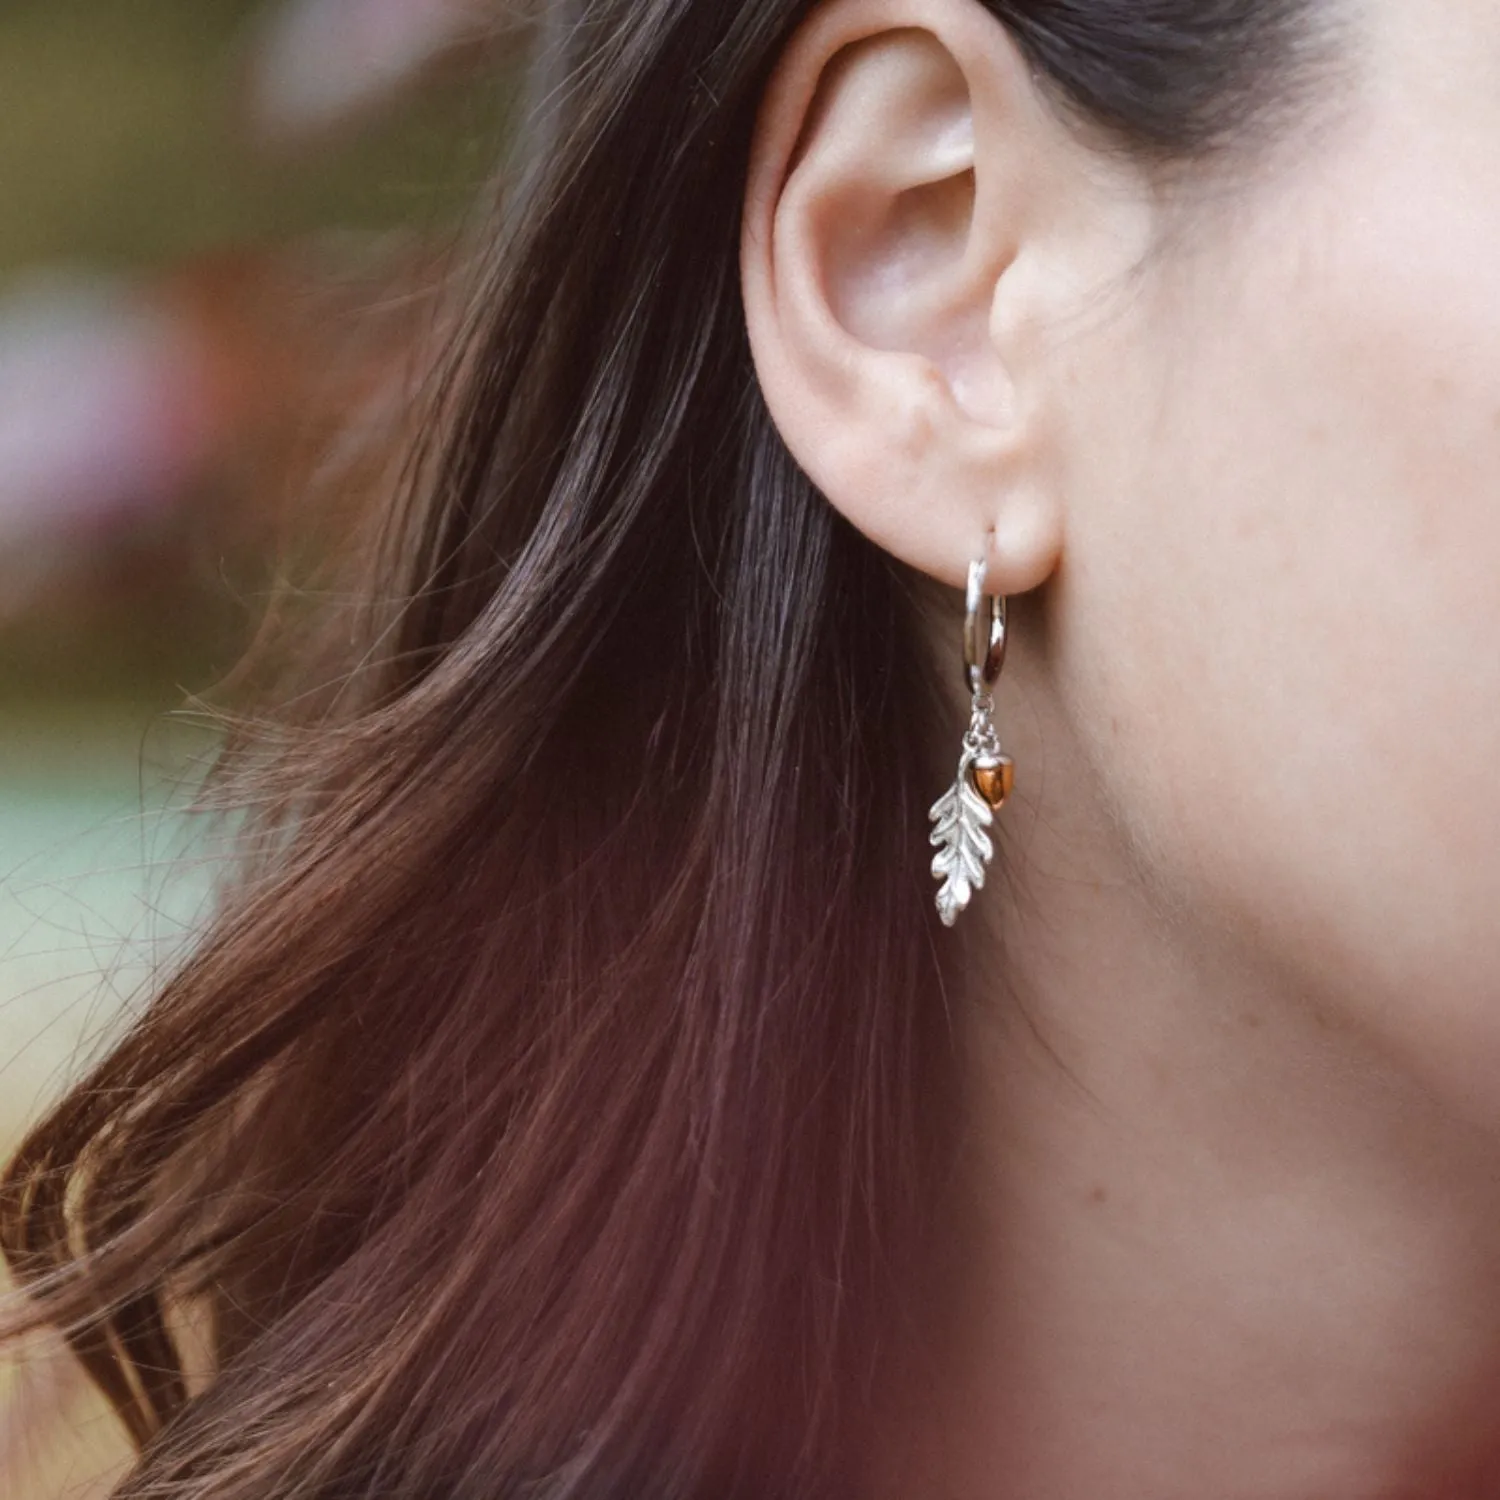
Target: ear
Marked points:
913	222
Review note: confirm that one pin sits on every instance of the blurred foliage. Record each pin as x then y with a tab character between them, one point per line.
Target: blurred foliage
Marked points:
124	146
121	140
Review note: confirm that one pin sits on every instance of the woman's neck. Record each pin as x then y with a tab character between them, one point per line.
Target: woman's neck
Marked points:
1198	1241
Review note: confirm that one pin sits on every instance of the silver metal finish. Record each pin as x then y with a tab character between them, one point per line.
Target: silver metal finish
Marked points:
985	632
961	818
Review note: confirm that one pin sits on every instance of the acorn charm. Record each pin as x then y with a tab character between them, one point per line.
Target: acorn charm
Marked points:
994	779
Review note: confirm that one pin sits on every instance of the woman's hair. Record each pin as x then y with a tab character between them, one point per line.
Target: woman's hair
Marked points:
545	1108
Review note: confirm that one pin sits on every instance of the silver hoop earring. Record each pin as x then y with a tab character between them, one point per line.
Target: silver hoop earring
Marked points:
986	775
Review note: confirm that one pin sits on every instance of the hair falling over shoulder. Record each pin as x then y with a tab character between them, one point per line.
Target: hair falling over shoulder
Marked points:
544	1109
534	1116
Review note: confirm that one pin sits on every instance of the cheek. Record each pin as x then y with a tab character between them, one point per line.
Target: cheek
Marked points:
1291	606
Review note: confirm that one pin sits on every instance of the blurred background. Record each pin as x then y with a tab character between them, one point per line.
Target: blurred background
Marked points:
221	222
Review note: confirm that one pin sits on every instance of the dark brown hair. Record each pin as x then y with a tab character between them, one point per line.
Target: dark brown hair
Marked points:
544	1110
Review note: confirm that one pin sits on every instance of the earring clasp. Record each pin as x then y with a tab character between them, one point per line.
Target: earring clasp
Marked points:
985	632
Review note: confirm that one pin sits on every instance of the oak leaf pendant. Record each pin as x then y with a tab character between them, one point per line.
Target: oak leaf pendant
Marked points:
961	819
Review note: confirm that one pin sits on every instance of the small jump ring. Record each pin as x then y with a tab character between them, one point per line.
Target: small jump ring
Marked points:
985	633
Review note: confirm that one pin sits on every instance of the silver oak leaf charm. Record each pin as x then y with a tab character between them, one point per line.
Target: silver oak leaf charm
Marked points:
961	818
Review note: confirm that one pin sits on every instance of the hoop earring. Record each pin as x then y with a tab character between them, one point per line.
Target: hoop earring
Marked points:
986	775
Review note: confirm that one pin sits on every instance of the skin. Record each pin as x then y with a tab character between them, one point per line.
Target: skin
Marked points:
1226	1215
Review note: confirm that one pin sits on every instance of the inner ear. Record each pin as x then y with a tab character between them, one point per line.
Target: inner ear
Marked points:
885	172
903	283
889	270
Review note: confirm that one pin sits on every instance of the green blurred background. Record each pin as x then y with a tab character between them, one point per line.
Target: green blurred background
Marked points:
221	225
151	199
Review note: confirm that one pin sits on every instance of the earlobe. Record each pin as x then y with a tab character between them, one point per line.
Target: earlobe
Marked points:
902	168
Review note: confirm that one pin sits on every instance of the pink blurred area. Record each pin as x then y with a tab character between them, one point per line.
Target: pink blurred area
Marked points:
138	417
108	407
321	62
